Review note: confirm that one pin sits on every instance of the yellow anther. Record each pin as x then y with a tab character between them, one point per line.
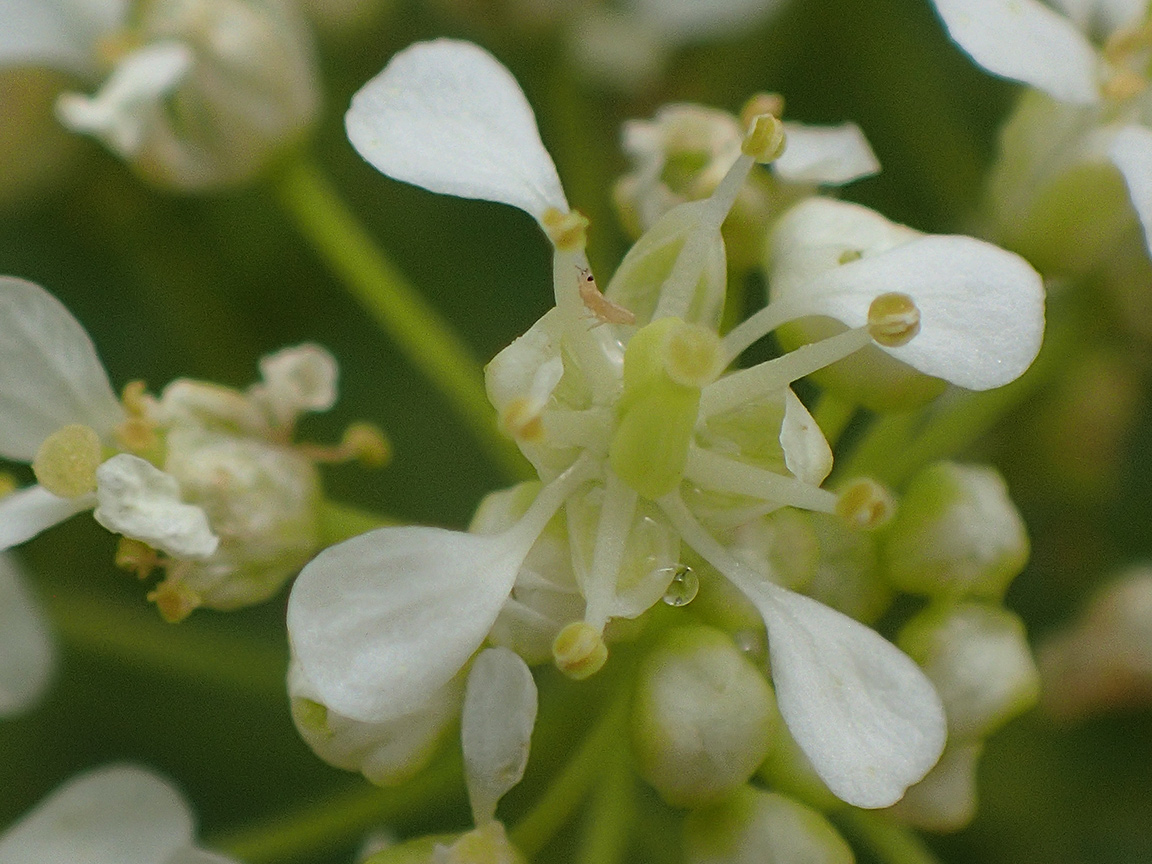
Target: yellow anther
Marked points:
692	355
893	319
521	421
765	139
579	650
864	504
8	484
367	443
850	255
174	600
761	103
137	435
137	557
133	397
67	460
1124	84
567	231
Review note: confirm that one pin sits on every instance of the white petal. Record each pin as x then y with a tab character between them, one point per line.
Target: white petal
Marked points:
380	622
302	378
1026	41
981	308
120	814
27	655
806	451
689	20
496	730
52	376
128	102
1103	17
1131	153
27	512
388	752
448	117
138	500
830	155
860	709
57	33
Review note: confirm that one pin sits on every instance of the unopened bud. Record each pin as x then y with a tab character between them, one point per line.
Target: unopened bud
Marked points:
66	461
765	139
945	800
978	658
893	319
864	504
703	717
957	533
579	650
567	231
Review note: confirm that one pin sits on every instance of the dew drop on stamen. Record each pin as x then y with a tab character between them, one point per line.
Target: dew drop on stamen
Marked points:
683	587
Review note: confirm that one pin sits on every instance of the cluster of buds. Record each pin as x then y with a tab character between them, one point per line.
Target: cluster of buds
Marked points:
203	482
194	94
661	469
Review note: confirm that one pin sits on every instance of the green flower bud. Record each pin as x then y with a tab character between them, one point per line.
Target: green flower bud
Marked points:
847	575
957	533
978	657
703	717
754	827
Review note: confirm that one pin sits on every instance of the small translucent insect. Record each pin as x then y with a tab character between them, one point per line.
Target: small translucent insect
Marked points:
603	309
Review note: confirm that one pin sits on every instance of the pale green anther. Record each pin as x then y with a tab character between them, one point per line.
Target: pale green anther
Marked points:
765	140
657	414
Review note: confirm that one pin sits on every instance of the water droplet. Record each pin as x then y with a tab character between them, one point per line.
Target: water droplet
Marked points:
683	587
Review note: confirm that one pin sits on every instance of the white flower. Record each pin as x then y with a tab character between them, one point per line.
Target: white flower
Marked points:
118	814
638	435
27	652
1090	55
195	93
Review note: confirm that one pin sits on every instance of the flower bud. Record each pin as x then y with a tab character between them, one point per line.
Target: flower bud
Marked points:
956	533
753	827
978	658
945	800
847	575
219	88
703	717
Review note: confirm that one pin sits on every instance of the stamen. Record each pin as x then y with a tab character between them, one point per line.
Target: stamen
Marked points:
568	232
765	139
761	103
137	557
579	650
612	530
755	327
864	504
746	385
550	499
363	442
893	319
720	474
174	600
67	460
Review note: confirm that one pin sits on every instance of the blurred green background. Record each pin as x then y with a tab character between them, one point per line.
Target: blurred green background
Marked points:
173	286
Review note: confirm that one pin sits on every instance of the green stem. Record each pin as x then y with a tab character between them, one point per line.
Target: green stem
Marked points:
564	795
889	843
344	819
611	812
140	640
430	344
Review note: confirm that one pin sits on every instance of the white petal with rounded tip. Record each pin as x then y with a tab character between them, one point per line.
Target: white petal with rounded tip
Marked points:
128	102
1026	41
806	451
981	308
381	621
52	376
120	814
448	117
60	34
1131	153
864	714
496	728
830	155
138	500
27	655
27	512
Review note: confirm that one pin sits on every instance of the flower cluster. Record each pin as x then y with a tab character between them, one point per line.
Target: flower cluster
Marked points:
651	451
203	481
